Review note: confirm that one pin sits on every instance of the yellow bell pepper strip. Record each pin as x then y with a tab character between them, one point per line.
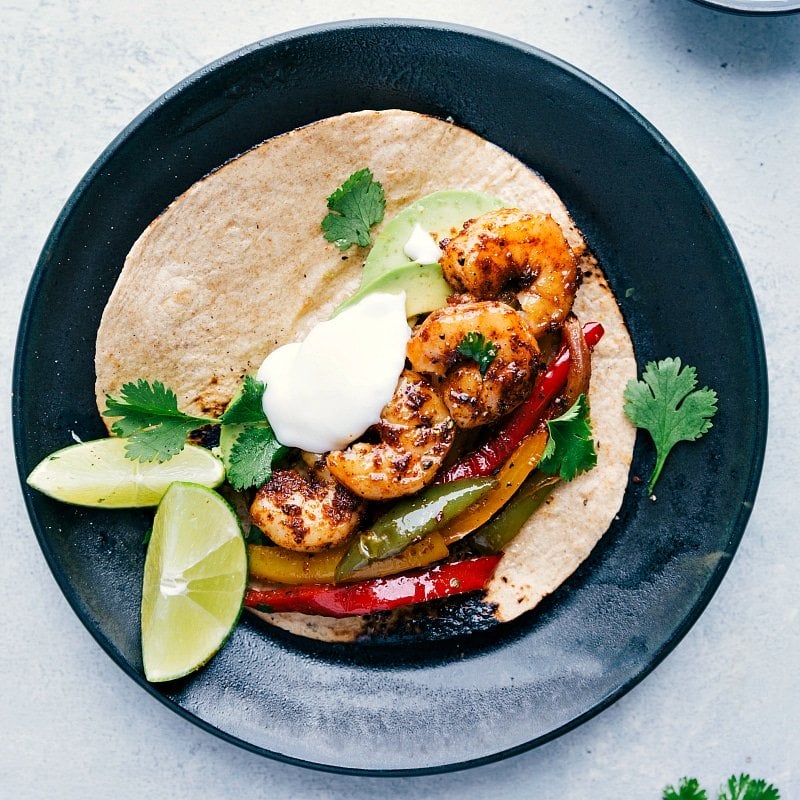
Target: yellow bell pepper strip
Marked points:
509	479
377	594
504	526
278	565
411	520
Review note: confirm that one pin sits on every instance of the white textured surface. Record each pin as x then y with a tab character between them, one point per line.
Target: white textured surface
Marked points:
724	90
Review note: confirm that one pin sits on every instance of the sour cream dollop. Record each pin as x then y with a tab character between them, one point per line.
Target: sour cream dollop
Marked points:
421	246
324	392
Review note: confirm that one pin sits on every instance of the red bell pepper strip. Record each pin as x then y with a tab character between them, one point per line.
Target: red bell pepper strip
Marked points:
495	452
377	594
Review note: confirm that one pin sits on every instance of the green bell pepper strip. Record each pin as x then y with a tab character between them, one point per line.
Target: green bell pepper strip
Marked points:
274	564
494	535
410	520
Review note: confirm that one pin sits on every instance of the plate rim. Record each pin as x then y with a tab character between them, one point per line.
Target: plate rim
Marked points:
759	435
774	8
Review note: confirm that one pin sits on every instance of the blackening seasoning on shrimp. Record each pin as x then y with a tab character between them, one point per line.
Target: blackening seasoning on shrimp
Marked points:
324	392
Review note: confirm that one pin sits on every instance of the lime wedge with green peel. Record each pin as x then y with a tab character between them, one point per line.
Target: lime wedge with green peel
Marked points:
195	574
97	473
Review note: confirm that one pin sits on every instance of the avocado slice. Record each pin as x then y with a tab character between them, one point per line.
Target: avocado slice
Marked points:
441	213
424	285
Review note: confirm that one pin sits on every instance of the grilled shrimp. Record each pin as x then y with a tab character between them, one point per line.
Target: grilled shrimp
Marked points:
305	509
510	249
415	434
474	399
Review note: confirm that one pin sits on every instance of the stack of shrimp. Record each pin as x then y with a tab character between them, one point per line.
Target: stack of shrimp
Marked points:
515	279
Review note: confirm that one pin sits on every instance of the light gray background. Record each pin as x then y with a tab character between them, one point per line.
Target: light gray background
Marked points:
725	90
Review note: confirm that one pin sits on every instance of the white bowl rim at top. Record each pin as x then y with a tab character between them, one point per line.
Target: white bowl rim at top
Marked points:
753	6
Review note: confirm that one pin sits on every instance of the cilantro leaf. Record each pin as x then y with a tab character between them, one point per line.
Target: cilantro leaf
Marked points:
746	788
688	789
570	448
140	405
246	405
666	404
150	419
481	350
253	455
148	416
160	442
742	788
355	206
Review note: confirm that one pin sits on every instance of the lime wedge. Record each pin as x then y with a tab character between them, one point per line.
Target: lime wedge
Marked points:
98	474
195	575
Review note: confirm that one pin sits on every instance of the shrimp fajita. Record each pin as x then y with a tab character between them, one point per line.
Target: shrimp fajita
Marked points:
441	383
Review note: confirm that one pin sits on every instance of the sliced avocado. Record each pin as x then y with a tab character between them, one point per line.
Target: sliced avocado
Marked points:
441	214
424	285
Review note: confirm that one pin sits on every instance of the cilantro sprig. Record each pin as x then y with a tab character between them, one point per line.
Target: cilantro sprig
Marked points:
688	789
570	449
742	787
666	404
355	207
246	405
148	416
746	788
481	350
252	456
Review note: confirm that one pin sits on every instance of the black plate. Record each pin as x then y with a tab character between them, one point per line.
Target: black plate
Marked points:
683	290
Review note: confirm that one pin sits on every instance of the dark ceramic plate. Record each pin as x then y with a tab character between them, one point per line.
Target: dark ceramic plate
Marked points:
430	706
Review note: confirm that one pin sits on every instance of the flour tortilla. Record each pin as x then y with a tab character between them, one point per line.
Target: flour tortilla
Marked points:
237	266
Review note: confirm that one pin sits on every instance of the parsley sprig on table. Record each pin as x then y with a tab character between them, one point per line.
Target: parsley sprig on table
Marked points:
355	207
570	448
666	404
742	788
148	416
481	350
